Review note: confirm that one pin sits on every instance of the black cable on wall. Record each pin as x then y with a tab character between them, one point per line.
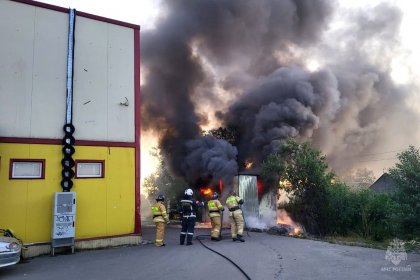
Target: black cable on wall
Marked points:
68	150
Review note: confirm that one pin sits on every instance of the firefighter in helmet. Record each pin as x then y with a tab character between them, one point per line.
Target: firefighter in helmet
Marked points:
160	217
188	210
215	209
236	216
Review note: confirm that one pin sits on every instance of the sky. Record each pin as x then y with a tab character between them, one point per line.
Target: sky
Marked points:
402	51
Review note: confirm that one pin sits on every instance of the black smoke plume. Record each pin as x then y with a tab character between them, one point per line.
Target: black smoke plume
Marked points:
244	61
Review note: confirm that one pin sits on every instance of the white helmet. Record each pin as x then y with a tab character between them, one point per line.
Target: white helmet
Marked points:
189	192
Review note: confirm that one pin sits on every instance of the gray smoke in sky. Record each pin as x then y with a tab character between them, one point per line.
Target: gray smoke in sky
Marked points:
243	61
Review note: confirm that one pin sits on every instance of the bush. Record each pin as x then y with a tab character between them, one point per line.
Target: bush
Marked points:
306	171
326	208
406	174
363	212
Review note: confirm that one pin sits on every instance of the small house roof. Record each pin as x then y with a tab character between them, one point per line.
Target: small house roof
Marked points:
384	184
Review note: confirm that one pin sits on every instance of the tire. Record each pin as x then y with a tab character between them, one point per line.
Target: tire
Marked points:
67	174
67	162
66	184
68	150
68	140
68	128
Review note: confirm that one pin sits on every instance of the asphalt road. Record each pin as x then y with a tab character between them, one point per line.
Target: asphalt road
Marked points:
262	256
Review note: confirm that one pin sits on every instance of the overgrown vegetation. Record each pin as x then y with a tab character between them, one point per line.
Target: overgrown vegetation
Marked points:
163	182
224	133
406	174
305	171
360	212
326	207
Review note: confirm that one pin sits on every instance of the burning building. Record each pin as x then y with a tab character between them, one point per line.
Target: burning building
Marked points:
261	204
244	65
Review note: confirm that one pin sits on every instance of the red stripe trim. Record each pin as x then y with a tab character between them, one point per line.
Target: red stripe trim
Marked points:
137	123
19	140
104	143
108	20
82	14
43	5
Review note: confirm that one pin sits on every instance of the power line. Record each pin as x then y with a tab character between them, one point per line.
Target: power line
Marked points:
374	154
378	159
381	153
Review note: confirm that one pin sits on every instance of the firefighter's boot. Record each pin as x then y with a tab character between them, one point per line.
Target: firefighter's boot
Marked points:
182	239
189	239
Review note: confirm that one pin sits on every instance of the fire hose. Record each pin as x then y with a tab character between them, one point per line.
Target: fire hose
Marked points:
200	237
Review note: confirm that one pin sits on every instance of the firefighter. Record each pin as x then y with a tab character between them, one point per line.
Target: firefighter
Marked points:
236	216
215	208
160	217
188	210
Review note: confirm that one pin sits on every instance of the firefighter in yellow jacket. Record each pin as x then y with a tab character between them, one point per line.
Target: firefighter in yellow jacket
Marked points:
236	216
215	208
160	217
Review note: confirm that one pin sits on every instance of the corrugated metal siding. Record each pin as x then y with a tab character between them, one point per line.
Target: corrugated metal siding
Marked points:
248	192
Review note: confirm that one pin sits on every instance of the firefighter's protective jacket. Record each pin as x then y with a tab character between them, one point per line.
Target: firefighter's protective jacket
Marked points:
214	206
159	213
188	206
232	202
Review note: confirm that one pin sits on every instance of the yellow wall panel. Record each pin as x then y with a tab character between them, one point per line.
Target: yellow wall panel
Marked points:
91	196
120	194
105	206
40	193
13	193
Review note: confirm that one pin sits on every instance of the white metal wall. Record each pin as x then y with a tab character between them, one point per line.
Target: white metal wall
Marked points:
32	71
249	193
33	66
103	77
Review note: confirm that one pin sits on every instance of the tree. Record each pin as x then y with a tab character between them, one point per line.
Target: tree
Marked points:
223	133
306	171
406	174
163	182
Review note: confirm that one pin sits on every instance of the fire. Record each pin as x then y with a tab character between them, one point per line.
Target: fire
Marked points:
284	220
260	186
248	164
206	191
285	183
203	225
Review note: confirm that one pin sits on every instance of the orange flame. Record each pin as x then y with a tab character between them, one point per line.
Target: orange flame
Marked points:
206	191
285	183
248	164
284	219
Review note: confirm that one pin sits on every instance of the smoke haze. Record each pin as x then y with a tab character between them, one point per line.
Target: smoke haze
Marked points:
243	64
